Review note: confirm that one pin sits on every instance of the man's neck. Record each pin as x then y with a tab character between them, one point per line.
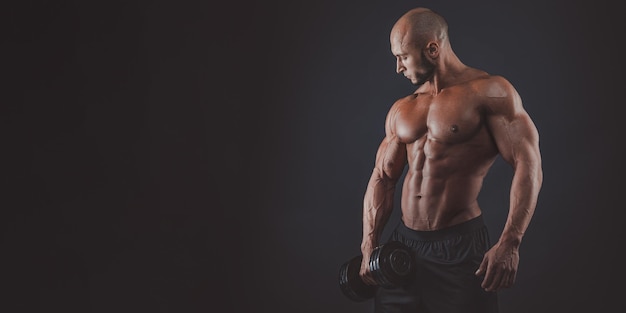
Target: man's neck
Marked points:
449	71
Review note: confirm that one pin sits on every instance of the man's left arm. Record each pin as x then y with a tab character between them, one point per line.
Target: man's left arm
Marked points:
517	140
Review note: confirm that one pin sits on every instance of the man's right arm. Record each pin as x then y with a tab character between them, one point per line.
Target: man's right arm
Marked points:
378	201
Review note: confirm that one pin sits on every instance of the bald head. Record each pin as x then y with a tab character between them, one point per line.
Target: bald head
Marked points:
419	26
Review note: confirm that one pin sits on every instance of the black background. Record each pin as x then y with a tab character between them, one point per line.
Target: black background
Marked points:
212	157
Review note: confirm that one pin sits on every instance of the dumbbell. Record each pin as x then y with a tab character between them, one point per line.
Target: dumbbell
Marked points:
392	264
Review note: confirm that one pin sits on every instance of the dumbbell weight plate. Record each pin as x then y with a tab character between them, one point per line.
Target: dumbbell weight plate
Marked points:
392	264
351	283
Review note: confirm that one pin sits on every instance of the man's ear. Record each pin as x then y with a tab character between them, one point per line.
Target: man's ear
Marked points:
432	49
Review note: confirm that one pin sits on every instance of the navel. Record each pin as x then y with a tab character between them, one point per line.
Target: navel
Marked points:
454	128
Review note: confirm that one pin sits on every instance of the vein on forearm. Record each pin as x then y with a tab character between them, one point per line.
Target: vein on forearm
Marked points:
378	203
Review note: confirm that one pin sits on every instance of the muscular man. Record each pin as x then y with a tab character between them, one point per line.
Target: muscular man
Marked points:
449	132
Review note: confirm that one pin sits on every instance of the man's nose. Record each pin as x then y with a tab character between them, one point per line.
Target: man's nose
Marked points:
399	66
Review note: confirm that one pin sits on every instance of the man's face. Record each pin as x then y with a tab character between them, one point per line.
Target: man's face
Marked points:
410	60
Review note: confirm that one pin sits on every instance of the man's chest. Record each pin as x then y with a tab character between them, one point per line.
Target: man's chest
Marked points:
447	119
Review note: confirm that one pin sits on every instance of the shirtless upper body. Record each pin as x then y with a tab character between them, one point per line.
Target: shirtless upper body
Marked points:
447	134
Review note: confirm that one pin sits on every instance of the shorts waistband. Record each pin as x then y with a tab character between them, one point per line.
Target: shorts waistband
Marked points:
443	233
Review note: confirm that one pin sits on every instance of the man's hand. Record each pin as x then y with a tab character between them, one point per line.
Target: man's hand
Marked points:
499	266
365	273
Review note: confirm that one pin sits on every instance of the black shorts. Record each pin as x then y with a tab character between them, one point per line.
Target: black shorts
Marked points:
444	280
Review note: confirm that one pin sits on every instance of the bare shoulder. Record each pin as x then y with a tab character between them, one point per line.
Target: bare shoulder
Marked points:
403	102
406	100
497	95
493	86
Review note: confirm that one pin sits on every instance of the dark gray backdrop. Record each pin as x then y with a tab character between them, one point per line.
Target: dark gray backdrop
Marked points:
195	157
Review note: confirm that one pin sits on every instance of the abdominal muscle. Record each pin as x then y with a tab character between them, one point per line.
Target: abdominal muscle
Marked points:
441	189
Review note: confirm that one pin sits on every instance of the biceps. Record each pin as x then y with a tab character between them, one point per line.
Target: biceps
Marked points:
517	139
391	158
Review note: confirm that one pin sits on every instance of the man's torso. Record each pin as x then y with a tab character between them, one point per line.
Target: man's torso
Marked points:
449	151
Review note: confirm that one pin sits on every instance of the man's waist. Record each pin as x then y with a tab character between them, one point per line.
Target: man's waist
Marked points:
441	232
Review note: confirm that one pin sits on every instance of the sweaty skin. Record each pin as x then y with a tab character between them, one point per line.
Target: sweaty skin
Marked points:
447	134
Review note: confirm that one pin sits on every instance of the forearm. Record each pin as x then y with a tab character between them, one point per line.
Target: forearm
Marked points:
377	208
525	188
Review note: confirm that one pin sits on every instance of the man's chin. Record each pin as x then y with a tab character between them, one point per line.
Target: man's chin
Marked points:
416	82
